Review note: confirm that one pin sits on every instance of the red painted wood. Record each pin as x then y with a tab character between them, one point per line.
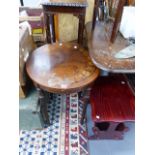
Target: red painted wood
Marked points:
112	100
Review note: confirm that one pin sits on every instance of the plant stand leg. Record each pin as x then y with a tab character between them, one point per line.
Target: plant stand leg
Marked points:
85	100
42	101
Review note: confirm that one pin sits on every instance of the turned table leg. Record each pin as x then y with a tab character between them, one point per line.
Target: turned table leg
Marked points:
44	108
81	28
85	101
47	27
85	104
52	23
95	13
43	101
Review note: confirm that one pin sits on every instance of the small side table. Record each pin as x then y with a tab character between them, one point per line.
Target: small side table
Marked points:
60	68
75	7
113	104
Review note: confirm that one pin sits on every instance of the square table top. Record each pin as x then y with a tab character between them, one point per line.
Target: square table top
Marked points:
72	3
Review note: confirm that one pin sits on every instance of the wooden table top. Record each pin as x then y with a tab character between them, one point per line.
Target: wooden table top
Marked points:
73	3
61	68
102	51
112	99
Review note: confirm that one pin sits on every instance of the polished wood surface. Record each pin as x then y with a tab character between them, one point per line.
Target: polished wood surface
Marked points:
131	2
102	51
112	100
61	68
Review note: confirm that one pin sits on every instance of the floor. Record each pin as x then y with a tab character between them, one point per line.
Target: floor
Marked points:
96	147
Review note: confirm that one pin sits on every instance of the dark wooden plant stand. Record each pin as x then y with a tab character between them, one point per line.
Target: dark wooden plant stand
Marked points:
43	100
75	7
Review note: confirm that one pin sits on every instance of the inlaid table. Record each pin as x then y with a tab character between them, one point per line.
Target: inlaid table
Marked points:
102	51
60	68
105	41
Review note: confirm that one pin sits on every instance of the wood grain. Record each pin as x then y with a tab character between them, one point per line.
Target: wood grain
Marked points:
102	51
112	100
61	68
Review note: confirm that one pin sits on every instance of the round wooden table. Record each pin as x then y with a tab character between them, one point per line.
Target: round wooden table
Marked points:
61	68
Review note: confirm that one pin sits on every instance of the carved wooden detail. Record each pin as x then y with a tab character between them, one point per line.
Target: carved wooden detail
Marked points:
70	3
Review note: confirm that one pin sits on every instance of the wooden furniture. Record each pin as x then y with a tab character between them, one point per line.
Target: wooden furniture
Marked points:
111	98
52	7
112	13
26	46
131	2
104	42
112	103
60	68
102	52
111	10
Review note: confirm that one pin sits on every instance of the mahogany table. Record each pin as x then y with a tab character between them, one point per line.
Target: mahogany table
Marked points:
60	68
102	51
113	104
75	7
104	40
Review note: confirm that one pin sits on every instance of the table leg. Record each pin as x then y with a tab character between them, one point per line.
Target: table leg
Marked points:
47	27
118	17
44	108
85	99
43	105
81	28
85	104
52	23
94	13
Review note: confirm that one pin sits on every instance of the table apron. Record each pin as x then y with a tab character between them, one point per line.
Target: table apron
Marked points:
71	10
